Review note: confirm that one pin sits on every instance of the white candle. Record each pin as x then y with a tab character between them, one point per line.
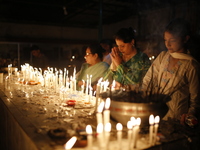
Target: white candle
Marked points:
100	135
90	81
133	121
136	130
129	126
151	125
113	85
98	89
106	112
157	120
99	113
64	77
119	128
107	134
82	87
87	83
70	143
89	137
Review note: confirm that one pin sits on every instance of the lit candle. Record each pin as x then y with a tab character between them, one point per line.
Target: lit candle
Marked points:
136	130
133	121
129	126
119	128
151	125
100	135
107	134
89	137
70	143
99	113
87	82
90	81
157	120
106	112
113	85
64	77
97	92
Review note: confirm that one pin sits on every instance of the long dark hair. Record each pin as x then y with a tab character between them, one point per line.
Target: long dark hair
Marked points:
97	49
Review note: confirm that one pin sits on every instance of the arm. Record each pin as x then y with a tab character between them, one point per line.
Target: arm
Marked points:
133	71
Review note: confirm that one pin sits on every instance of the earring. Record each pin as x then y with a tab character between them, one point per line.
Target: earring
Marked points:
133	45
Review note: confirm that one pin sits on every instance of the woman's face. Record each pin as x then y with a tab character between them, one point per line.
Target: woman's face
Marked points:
124	48
89	57
173	43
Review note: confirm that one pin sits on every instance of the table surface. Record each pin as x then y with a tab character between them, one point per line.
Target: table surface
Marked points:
38	110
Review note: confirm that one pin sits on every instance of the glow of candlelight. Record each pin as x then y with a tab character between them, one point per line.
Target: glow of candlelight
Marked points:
113	85
107	134
136	130
151	123
107	104
89	136
100	107
99	113
129	126
100	135
119	128
89	129
106	112
70	143
156	120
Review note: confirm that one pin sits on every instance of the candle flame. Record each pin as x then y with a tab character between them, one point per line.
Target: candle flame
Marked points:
99	81
157	119
108	127
138	121
151	119
129	125
89	129
70	143
119	126
107	104
100	107
100	128
133	120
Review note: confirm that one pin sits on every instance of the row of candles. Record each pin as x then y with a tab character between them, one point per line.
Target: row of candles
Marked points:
53	78
56	80
133	127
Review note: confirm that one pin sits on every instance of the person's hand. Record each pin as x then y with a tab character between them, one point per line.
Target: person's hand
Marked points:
115	56
182	119
188	119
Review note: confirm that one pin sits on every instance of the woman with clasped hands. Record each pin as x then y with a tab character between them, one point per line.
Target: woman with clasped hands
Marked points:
129	64
176	73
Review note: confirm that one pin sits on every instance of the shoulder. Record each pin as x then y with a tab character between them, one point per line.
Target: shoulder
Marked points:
103	64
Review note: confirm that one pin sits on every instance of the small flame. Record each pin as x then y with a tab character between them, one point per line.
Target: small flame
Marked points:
100	107
70	143
107	104
119	126
89	129
108	127
151	119
157	119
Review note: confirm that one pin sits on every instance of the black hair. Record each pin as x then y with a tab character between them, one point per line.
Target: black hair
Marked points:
179	27
97	49
34	47
125	34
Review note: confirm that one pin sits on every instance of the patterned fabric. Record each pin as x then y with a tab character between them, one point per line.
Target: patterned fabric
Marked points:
182	84
130	72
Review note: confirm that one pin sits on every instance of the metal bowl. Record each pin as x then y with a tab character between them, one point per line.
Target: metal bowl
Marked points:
123	111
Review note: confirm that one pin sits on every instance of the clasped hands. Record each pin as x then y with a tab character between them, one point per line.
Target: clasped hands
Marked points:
116	57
